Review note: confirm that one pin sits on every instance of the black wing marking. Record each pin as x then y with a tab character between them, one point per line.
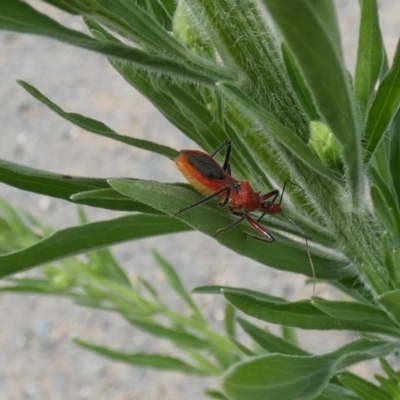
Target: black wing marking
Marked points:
206	166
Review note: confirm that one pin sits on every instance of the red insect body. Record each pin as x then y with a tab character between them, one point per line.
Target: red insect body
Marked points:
213	180
242	196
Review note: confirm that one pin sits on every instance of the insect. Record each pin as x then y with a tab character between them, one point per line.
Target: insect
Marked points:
213	180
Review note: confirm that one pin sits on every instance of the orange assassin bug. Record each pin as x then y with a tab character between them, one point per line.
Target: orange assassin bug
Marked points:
213	180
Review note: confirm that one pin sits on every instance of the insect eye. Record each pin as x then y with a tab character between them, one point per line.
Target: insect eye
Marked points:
266	204
236	186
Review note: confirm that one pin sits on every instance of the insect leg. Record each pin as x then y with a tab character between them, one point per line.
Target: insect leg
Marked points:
227	197
225	189
241	216
284	186
268	238
262	216
274	194
225	166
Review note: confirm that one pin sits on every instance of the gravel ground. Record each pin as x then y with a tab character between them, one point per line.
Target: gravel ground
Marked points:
37	358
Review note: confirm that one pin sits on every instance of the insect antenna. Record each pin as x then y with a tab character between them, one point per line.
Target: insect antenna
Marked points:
308	249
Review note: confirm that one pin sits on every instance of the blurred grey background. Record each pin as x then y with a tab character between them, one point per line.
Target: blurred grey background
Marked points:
37	358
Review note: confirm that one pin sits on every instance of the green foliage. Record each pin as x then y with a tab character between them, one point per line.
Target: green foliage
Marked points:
292	111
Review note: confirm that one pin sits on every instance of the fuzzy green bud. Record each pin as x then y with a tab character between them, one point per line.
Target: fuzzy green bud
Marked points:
184	29
325	145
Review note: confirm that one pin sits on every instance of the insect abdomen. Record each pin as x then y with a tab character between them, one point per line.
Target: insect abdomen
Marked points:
201	171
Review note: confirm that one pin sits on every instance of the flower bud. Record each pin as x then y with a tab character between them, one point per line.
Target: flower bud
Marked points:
325	145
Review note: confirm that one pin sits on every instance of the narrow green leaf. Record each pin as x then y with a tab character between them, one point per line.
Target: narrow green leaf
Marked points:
176	283
390	301
312	34
377	283
112	200
163	13
213	394
385	187
335	392
298	84
390	372
278	131
394	155
362	388
35	286
388	262
43	182
388	216
141	359
103	262
176	336
94	126
131	21
242	348
203	363
270	342
389	386
300	314
20	17
284	377
80	239
355	289
218	290
370	53
229	320
384	107
285	254
352	311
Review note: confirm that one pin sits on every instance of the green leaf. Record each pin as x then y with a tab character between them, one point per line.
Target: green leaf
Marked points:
355	289
298	84
311	33
300	314
370	53
390	301
130	20
112	200
229	321
20	17
213	394
384	107
80	239
142	360
176	284
335	392
270	342
388	216
43	182
389	262
218	290
362	388
242	348
181	339
390	372
285	377
103	262
278	131
285	254
94	126
351	311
